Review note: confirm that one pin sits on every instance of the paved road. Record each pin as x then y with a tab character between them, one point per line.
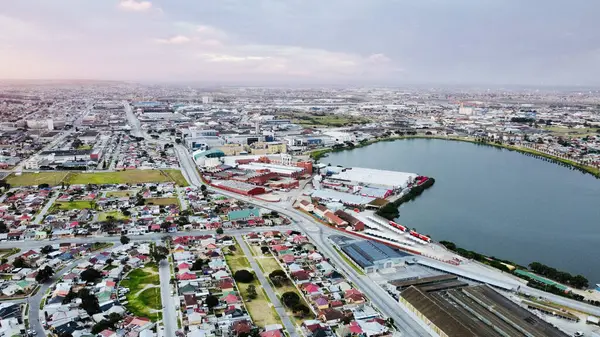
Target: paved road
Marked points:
287	322
32	244
40	217
169	314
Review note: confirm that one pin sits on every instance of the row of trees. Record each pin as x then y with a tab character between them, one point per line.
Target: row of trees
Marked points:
577	281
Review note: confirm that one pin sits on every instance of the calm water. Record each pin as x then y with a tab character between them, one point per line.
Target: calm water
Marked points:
496	202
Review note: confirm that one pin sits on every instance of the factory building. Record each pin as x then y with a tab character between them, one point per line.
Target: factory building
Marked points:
359	176
208	158
240	187
473	311
370	256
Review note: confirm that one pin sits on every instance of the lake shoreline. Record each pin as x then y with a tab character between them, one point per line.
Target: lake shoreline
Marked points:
322	153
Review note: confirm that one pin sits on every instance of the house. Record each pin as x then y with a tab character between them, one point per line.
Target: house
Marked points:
306	206
321	302
311	288
354	296
231	299
243	214
190	301
107	333
241	327
320	211
331	316
271	333
352	221
335	220
301	276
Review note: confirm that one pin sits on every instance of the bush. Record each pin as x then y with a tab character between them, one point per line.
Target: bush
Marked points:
211	301
290	299
243	276
264	250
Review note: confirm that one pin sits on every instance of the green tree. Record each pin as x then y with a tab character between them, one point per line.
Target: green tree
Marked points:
219	230
125	240
251	292
20	262
44	274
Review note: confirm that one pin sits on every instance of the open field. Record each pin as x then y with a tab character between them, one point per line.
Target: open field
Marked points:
162	201
70	205
34	179
99	178
258	308
144	292
4	253
119	194
117	215
177	177
562	131
120	177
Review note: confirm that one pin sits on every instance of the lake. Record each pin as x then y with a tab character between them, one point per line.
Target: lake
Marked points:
496	202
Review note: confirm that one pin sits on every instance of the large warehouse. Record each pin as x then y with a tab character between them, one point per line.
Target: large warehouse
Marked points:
372	177
371	255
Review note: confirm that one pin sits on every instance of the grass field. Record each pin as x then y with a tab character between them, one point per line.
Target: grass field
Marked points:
162	201
142	301
34	179
268	264
119	194
117	215
177	177
69	205
4	253
258	308
120	177
84	178
85	147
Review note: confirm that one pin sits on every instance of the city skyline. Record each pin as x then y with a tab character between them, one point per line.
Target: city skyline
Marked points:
298	43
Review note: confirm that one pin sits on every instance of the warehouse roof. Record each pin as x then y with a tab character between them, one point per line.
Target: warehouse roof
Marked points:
366	252
345	198
369	176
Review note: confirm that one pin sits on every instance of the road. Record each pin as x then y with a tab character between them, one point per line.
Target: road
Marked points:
287	322
40	217
32	244
169	314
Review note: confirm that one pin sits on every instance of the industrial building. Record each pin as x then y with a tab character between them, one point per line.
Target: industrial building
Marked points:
239	187
359	176
474	311
371	255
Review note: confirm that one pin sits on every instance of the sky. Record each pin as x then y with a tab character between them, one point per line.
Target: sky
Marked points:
371	42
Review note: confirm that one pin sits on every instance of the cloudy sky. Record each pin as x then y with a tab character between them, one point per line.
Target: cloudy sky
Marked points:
529	42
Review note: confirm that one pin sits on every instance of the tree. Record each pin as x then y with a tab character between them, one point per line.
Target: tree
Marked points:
203	188
211	301
42	186
44	274
251	292
90	275
264	249
243	276
125	240
219	230
198	264
3	260
20	262
46	249
76	143
158	253
290	299
3	227
278	277
89	302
